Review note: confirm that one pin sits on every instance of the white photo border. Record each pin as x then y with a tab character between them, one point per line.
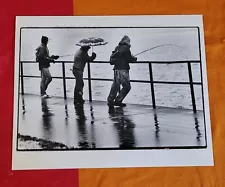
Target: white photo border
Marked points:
29	160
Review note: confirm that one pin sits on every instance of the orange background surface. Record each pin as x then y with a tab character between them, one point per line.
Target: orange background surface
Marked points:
213	12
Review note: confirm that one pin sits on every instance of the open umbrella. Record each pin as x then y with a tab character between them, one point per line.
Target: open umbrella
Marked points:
92	41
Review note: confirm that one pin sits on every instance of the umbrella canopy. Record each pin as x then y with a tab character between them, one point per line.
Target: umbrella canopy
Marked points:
92	41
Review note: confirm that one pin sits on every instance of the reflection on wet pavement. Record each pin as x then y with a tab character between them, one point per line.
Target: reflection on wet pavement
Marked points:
124	127
46	119
90	126
81	125
157	136
198	131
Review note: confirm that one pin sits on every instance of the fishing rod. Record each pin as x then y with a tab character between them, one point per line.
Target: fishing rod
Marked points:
139	52
157	47
66	55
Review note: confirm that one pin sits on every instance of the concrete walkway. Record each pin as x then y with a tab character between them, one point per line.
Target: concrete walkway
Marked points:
58	121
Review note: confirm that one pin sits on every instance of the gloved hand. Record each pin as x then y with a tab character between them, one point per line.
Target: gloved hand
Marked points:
50	59
55	57
94	55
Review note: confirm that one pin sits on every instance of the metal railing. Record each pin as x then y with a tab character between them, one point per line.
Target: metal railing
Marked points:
150	81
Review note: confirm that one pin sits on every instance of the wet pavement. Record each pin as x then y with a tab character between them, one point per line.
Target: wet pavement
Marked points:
90	126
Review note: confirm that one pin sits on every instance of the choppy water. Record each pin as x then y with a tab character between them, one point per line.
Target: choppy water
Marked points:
62	41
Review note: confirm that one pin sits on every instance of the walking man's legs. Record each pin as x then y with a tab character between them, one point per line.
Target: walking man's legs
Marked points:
114	88
125	81
46	78
42	84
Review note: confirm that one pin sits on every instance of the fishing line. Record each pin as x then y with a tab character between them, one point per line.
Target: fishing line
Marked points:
158	47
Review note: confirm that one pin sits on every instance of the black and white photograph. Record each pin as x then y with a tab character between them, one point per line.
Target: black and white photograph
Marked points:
113	91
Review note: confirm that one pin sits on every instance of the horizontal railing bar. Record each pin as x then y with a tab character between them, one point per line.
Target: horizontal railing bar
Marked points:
98	79
143	81
138	62
164	82
154	62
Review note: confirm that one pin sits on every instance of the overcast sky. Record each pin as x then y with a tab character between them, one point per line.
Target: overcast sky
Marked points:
62	42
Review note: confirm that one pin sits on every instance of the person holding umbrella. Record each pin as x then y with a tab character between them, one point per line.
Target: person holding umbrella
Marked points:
44	60
80	59
120	58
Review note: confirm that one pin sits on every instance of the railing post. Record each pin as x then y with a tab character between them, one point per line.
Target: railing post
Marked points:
152	85
89	81
21	77
191	87
64	79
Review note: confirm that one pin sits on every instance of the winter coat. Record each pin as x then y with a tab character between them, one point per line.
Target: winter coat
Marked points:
81	58
122	56
42	57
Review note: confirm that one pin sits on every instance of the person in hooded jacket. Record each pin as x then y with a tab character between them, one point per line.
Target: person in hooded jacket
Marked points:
44	60
80	59
120	58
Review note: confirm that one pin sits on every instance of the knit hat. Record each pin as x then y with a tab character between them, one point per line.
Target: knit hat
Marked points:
125	40
44	39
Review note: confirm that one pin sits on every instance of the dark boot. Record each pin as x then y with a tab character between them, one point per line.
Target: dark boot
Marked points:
120	104
111	106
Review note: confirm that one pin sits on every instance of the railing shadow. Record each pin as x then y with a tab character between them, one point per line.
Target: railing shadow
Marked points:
67	122
157	129
23	109
197	128
92	127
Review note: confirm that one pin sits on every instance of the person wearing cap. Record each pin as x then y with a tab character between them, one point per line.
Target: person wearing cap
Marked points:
120	58
44	60
80	59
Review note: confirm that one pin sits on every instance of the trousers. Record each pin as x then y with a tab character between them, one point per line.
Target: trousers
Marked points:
121	77
79	85
46	78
